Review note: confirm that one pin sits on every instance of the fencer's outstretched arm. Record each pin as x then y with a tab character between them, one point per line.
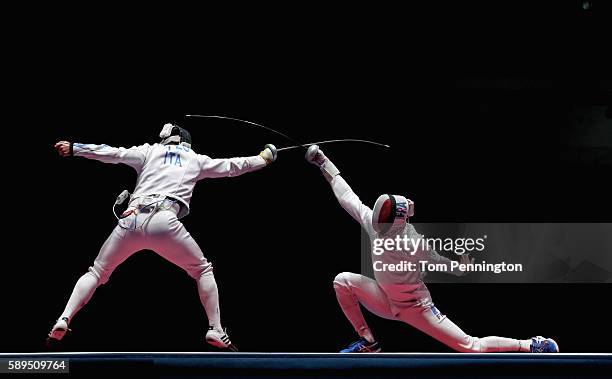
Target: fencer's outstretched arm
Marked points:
133	157
345	195
228	167
351	202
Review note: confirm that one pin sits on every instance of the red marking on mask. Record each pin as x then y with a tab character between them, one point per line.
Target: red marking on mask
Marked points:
386	213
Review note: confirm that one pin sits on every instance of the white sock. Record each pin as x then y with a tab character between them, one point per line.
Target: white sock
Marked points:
525	345
494	344
82	293
209	296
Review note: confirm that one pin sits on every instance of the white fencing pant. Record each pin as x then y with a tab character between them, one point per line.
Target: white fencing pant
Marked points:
354	289
162	233
158	231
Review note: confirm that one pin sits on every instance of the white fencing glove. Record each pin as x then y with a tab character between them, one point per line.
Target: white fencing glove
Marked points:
269	153
315	156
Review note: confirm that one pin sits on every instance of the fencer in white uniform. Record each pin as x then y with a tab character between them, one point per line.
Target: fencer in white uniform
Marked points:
401	295
167	174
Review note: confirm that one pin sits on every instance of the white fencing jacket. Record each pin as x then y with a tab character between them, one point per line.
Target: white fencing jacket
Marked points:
170	170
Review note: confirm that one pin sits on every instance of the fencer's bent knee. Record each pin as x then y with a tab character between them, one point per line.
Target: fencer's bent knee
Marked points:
200	271
206	272
99	273
342	279
92	271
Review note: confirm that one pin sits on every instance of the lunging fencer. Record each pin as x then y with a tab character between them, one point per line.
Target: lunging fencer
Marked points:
167	174
401	295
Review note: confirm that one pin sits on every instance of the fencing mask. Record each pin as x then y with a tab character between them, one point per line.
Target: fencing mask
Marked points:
172	133
391	213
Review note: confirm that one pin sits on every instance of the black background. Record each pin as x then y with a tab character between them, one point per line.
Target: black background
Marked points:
474	100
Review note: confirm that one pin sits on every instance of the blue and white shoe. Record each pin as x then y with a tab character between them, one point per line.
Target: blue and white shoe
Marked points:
362	346
540	344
